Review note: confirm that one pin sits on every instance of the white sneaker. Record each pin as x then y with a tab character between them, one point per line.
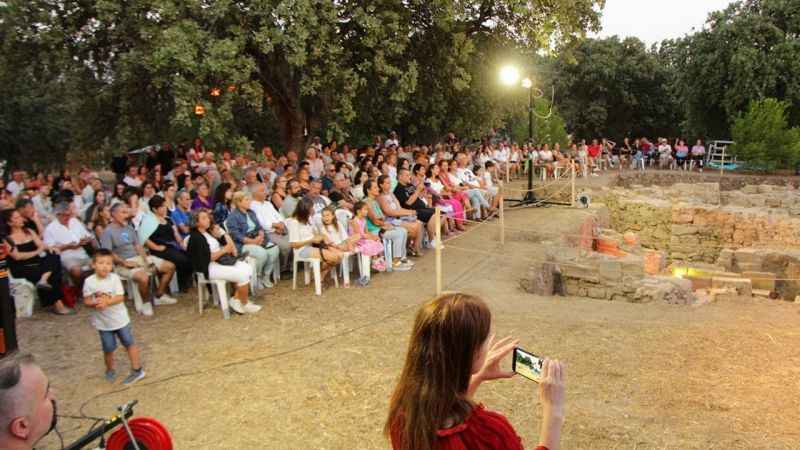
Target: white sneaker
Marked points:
265	284
407	262
401	267
251	308
147	310
236	305
164	300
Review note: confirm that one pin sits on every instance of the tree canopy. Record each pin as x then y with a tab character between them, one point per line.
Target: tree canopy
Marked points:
615	88
137	71
749	51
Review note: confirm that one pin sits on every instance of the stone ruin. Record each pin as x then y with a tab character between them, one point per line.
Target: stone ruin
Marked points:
682	244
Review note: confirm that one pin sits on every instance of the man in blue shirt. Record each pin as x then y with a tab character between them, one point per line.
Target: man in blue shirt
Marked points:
180	216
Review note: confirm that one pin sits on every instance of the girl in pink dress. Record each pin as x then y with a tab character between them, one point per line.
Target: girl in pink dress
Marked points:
368	243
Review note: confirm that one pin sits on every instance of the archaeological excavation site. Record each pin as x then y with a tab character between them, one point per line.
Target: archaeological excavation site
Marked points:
679	239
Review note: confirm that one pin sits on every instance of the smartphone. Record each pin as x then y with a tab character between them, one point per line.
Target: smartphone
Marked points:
527	364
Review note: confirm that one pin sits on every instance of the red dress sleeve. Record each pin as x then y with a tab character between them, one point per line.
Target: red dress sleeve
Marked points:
482	430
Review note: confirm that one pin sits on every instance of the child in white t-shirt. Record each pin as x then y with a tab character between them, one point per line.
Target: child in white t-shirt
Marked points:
103	291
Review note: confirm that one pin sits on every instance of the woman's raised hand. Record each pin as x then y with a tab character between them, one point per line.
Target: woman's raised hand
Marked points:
497	352
552	388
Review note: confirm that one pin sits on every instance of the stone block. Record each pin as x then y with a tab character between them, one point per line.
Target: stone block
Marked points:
684	230
580	272
610	270
743	286
761	280
684	240
572	288
750	189
699	282
682	215
773	202
723	294
761	293
596	292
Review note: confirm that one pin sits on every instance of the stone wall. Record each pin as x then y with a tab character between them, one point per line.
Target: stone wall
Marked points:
728	182
699	231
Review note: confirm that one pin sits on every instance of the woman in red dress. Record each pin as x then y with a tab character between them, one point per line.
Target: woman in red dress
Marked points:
450	353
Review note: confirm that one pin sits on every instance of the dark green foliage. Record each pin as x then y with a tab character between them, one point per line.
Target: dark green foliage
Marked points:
763	137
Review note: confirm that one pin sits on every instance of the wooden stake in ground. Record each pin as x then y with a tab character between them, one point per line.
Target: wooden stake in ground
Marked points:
508	169
722	164
572	182
437	217
502	217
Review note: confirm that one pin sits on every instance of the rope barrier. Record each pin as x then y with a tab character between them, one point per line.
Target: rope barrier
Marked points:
537	188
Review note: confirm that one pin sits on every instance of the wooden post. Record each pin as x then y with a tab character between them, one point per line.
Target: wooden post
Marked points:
502	216
722	164
508	169
437	217
572	182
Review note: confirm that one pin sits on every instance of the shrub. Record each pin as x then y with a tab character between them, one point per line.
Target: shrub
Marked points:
763	137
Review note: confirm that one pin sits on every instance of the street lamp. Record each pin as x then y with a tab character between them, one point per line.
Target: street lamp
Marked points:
509	75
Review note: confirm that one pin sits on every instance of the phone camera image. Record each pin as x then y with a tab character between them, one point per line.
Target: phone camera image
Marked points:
527	364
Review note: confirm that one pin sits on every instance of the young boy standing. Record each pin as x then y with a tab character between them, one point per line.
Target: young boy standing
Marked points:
103	291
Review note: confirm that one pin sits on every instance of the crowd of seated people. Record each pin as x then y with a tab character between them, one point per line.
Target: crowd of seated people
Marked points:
590	158
176	211
334	201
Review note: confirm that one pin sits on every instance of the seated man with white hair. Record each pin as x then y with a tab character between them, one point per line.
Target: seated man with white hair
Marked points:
271	221
66	236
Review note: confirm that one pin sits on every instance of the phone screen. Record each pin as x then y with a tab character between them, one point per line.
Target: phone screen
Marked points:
527	364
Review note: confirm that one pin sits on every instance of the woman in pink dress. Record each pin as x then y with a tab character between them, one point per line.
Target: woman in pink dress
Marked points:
451	206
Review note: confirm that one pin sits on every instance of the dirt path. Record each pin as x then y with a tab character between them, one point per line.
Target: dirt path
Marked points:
312	372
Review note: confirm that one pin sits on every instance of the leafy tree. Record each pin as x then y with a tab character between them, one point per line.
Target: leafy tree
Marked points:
615	88
749	51
548	126
763	137
296	67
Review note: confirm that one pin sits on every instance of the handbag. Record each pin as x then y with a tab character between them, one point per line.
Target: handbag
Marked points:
230	260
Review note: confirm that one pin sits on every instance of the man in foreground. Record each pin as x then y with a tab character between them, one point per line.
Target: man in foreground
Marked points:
27	404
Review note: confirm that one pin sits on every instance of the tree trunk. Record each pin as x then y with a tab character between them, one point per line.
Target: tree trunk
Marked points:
292	123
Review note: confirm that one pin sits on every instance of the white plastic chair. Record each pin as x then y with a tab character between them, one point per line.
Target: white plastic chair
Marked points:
311	264
132	291
387	253
219	293
364	267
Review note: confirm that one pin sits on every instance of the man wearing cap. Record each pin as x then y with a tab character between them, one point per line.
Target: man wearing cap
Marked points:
66	236
27	403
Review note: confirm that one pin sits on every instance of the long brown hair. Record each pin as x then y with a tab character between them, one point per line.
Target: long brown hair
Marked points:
432	391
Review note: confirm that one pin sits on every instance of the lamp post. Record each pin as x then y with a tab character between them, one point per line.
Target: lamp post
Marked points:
528	84
509	75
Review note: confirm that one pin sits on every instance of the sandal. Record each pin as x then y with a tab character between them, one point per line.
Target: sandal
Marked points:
67	312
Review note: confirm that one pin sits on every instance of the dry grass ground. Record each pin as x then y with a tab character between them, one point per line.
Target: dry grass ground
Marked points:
312	372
